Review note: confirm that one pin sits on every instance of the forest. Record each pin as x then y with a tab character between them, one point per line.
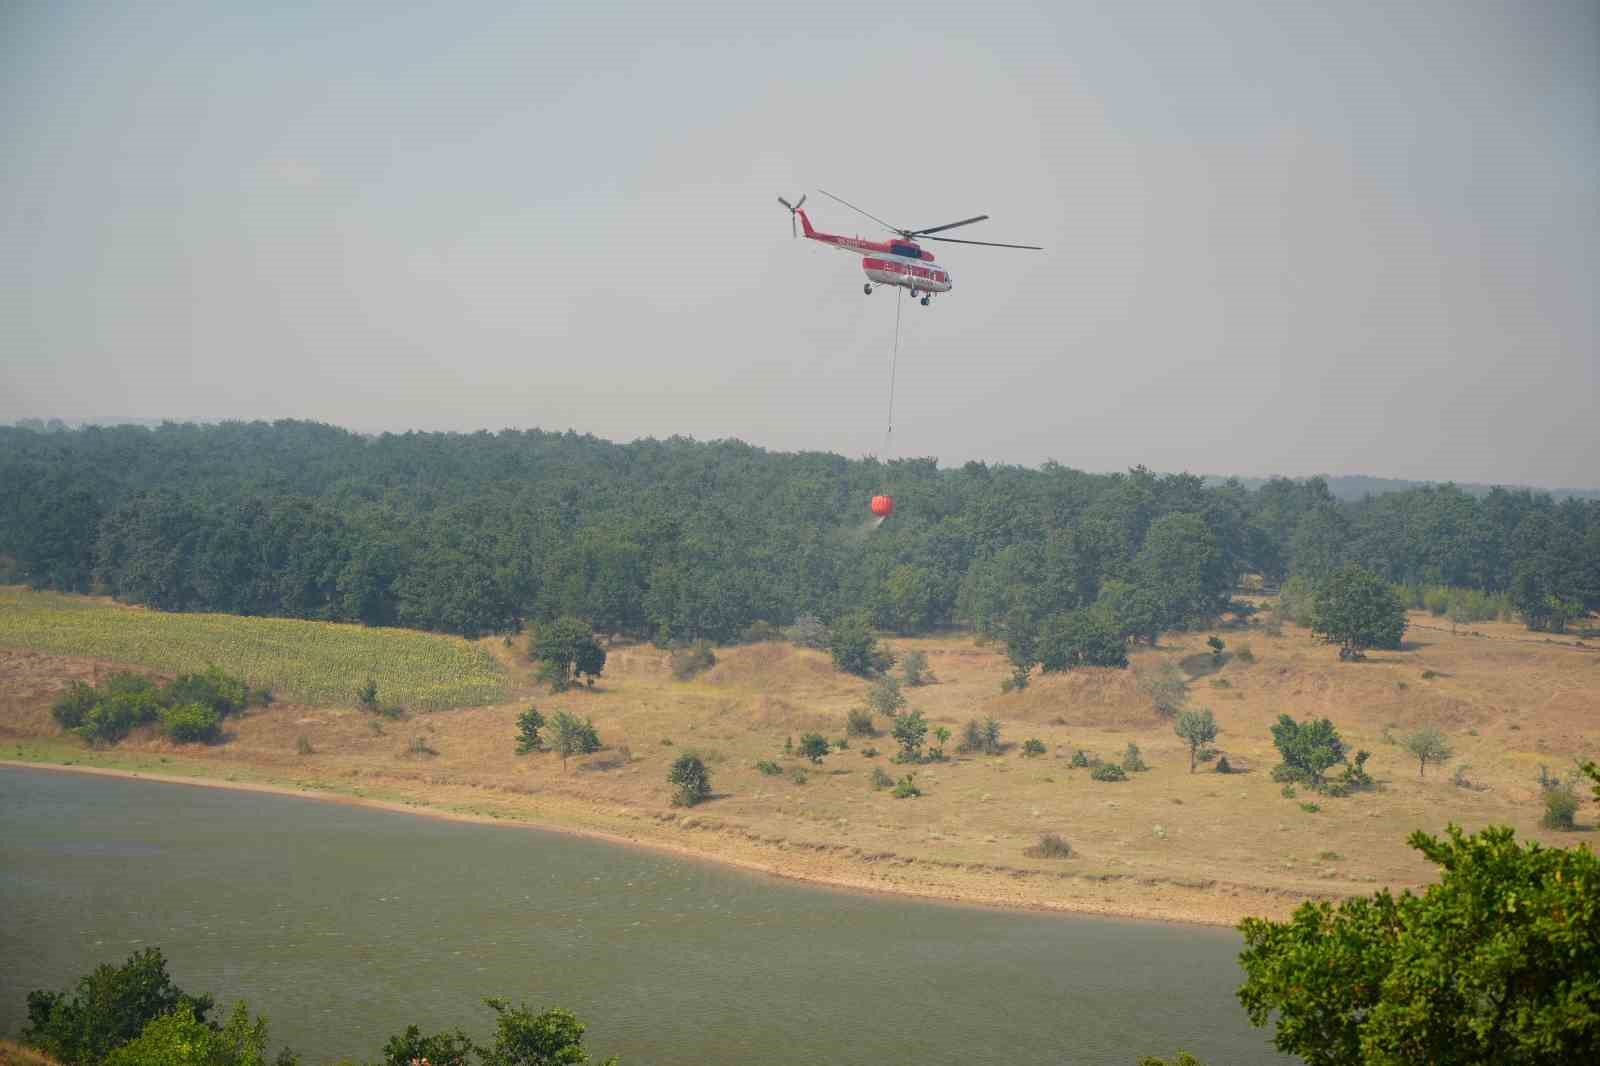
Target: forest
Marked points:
679	539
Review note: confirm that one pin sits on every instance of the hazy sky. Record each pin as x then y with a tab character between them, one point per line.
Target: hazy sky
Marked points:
1281	237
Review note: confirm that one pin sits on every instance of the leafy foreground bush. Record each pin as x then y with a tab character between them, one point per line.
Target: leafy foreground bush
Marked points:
1050	846
690	780
1497	963
133	1015
190	707
1108	772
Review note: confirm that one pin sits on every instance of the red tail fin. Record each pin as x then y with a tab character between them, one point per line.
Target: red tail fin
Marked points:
806	222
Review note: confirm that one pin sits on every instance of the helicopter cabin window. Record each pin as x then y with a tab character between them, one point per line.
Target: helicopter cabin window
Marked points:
910	251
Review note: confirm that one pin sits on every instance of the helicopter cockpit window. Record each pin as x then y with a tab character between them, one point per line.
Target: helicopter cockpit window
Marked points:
910	251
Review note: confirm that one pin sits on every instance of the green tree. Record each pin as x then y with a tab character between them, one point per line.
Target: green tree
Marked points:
567	651
814	746
449	1048
855	648
529	722
910	730
1080	638
182	1039
1308	749
690	780
1181	565
884	696
191	723
111	1006
942	735
522	1038
1428	745
914	668
1356	609
573	736
1197	728
1022	645
1497	963
1216	644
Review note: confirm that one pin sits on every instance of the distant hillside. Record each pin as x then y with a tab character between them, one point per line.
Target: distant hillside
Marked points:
1360	486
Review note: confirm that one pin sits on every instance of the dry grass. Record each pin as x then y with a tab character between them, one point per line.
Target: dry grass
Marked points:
1226	845
14	1054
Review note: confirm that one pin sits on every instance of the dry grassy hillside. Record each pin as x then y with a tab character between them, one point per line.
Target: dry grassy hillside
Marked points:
1165	843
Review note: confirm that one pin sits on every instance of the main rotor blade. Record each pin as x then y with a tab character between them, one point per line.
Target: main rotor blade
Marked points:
991	244
853	207
800	202
786	203
948	225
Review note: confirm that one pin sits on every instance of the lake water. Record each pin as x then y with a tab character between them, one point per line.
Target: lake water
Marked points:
345	924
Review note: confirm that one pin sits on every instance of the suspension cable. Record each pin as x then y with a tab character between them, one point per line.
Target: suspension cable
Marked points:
894	358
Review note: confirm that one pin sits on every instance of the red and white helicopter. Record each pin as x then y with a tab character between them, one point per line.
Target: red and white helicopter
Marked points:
895	262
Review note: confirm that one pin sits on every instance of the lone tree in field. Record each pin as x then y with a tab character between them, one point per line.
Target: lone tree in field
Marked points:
690	780
814	746
1308	749
1497	963
1198	728
573	736
910	730
1356	609
529	723
1428	745
567	652
855	648
885	697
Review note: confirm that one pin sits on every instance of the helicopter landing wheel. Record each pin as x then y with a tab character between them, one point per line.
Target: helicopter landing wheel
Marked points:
867	288
926	300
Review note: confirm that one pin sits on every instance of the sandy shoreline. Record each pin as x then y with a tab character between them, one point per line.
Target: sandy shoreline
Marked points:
837	878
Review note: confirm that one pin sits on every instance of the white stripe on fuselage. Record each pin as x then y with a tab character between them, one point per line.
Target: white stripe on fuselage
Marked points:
918	274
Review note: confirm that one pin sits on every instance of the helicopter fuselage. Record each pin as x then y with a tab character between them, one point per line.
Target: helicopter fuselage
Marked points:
893	262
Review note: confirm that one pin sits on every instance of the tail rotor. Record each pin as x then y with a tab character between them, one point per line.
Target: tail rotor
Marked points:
793	209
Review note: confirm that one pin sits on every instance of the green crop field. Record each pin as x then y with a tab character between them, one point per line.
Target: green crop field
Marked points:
307	662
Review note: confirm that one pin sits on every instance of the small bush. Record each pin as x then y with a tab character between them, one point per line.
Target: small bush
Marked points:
1165	687
814	746
885	697
1288	792
367	694
906	787
1082	759
808	632
1108	772
915	670
692	659
191	723
1223	766
666	742
1050	846
1329	856
880	780
1310	808
419	746
841	743
1429	675
1132	760
1033	747
770	768
529	723
869	752
302	744
690	780
1560	800
858	723
1243	652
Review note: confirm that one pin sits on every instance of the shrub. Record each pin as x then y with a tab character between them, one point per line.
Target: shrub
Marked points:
74	705
914	668
1108	772
910	730
692	659
808	632
567	652
1223	766
529	723
1243	652
573	736
858	723
1050	846
1308	749
841	743
367	694
1215	643
906	787
1460	778
1132	761
1355	776
885	697
1033	747
991	736
190	723
1560	800
690	780
1082	759
1165	687
302	744
419	746
880	779
971	738
814	746
1429	675
869	752
1288	792
855	649
770	768
759	632
798	775
1310	808
210	688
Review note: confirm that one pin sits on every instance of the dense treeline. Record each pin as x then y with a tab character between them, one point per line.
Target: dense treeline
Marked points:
677	539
